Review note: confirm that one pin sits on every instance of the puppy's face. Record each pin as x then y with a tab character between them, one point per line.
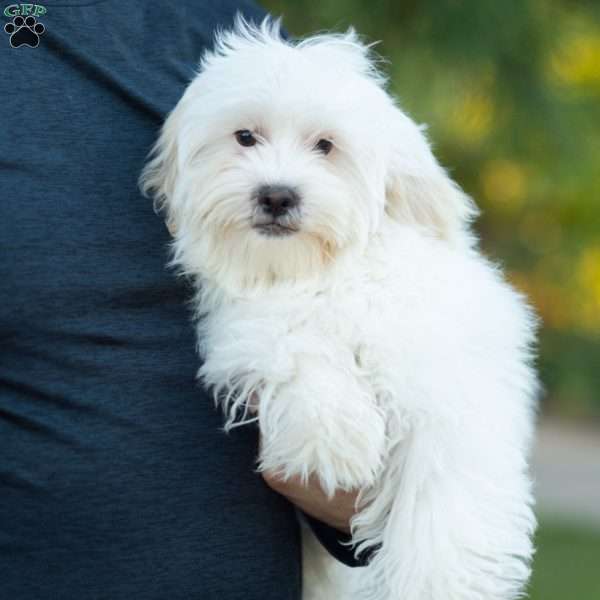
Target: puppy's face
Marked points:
281	157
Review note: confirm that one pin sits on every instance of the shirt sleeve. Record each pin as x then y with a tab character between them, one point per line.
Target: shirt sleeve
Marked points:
338	544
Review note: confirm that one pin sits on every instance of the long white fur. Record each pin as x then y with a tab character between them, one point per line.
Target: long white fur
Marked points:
381	350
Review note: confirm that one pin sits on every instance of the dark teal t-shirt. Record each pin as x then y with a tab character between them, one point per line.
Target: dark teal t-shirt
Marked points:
116	480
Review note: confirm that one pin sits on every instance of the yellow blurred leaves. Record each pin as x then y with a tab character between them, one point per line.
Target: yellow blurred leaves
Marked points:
588	279
576	60
470	108
471	118
504	184
566	295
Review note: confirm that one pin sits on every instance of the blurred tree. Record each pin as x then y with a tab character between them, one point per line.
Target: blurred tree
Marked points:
511	93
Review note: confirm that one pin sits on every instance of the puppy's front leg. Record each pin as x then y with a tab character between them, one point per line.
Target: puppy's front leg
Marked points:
318	416
324	422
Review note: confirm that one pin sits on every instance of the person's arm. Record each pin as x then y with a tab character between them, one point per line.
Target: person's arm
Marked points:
329	518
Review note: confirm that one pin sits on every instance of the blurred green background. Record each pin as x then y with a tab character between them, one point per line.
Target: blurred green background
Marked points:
511	93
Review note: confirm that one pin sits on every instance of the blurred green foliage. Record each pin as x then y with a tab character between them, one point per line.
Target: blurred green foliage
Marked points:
511	93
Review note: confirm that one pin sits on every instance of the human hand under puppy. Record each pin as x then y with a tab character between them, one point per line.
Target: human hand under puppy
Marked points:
310	498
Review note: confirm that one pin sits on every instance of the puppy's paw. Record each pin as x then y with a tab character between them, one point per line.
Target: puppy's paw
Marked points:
338	438
352	465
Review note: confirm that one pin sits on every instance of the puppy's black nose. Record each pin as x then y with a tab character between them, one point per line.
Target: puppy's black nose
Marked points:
276	200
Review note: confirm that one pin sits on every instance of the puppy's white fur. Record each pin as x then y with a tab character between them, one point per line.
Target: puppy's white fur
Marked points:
382	351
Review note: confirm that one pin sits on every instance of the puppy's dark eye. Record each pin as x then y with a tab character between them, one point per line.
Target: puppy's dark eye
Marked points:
245	137
324	146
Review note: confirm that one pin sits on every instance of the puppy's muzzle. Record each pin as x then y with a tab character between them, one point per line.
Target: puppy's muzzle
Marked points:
277	210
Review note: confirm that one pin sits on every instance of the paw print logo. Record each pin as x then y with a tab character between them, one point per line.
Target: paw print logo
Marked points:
24	32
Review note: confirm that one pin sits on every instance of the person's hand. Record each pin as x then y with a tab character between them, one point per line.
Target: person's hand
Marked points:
311	499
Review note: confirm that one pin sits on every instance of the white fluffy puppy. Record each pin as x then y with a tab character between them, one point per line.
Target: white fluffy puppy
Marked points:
339	286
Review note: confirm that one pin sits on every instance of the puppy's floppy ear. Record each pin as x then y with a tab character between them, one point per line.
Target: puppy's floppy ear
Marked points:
159	176
418	189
